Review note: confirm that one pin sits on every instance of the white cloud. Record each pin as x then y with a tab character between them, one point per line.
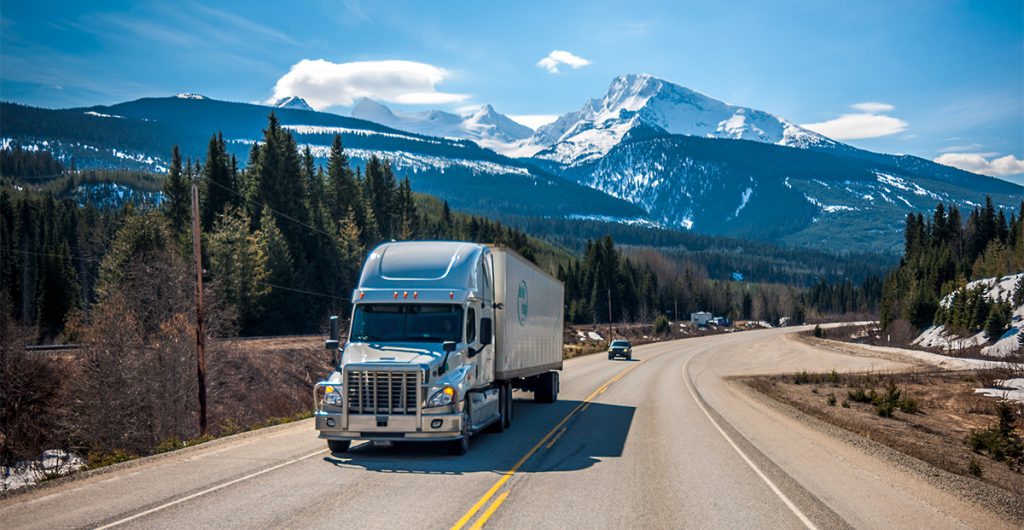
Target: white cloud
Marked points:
557	57
534	120
324	84
976	163
869	123
873	107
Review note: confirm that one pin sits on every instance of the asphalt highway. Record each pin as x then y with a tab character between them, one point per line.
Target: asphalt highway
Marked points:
665	441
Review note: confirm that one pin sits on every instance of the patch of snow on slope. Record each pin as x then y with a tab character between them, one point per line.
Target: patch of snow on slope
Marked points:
1009	389
830	208
629	221
996	290
743	201
101	115
321	129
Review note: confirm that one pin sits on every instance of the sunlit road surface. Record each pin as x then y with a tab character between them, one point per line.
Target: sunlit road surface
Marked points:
664	441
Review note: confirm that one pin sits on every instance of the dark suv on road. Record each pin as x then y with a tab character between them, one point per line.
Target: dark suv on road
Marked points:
620	348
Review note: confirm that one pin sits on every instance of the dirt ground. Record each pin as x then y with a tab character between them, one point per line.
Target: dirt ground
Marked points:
949	412
253	382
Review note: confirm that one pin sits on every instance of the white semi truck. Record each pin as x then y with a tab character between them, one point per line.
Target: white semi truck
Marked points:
440	335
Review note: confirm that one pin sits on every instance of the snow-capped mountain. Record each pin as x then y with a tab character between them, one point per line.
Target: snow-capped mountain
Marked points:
139	135
484	126
291	102
643	101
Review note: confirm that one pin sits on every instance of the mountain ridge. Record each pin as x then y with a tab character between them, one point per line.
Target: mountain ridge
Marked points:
485	126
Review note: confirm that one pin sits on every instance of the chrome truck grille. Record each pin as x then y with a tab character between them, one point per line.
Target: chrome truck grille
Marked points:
382	391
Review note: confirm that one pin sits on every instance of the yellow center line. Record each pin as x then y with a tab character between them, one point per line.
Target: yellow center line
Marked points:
557	436
508	474
490	511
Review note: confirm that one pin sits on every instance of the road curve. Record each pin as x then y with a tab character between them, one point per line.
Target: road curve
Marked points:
663	441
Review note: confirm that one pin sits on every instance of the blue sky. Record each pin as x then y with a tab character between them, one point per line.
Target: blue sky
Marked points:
940	78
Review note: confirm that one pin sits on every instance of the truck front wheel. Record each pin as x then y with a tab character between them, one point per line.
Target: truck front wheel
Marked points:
338	446
459	447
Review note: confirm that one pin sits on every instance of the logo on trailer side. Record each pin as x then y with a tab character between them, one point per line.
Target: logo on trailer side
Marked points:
521	303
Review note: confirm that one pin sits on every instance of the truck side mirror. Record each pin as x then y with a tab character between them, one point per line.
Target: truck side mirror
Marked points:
485	331
448	346
333	341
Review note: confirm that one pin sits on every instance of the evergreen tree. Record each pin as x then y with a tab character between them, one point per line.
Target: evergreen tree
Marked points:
238	266
57	290
219	182
177	196
280	304
410	219
344	191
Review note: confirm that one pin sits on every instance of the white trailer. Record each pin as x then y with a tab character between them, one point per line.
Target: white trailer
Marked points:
440	335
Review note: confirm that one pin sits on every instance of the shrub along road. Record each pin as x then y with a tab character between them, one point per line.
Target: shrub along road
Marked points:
664	441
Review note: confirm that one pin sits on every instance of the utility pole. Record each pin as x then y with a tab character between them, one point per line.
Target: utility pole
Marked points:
200	332
610	333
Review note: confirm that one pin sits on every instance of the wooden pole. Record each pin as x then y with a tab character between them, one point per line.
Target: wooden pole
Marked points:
610	333
200	331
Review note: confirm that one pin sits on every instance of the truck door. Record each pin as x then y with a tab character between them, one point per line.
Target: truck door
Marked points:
485	294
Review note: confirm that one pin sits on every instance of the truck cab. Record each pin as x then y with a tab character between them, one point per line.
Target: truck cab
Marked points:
419	362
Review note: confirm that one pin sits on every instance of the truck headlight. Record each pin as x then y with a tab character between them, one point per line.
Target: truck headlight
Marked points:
332	395
442	398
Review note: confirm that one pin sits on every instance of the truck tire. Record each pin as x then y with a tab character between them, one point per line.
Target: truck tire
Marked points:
506	418
459	447
338	446
546	390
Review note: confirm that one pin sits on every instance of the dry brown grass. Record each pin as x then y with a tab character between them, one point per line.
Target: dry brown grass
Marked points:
950	411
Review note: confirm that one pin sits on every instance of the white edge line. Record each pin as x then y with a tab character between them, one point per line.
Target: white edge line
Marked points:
789	504
209	490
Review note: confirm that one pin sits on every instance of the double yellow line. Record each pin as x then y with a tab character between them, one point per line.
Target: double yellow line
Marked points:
553	435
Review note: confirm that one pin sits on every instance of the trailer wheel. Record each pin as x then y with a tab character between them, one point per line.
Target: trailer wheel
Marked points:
506	415
546	389
338	446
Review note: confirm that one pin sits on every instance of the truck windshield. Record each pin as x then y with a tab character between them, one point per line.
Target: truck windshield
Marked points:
407	323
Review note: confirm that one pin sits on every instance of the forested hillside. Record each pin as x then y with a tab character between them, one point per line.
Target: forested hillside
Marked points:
945	252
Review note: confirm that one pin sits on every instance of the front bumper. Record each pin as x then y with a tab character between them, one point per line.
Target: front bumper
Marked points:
389	427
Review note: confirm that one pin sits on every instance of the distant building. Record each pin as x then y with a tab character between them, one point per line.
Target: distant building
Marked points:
700	318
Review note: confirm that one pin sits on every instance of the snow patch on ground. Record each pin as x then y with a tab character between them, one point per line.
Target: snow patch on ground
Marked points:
52	463
937	337
996	290
1009	389
594	335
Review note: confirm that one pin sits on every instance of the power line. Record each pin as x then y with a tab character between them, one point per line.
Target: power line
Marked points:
267	206
299	291
81	258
